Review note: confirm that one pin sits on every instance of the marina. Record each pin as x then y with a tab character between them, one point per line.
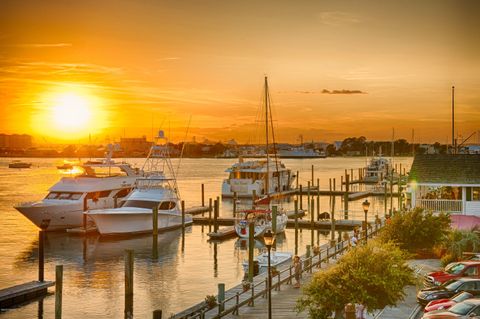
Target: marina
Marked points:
94	255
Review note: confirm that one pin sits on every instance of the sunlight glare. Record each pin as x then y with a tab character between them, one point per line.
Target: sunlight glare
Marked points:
71	110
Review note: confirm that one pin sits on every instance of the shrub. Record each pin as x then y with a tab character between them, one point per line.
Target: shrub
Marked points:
210	301
456	243
416	230
373	275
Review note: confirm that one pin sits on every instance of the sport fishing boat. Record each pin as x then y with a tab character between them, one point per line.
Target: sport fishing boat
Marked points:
262	176
376	170
262	220
99	184
157	189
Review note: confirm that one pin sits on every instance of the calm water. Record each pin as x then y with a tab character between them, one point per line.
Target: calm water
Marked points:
187	269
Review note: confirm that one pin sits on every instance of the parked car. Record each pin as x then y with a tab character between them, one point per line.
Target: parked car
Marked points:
449	289
467	309
443	304
457	270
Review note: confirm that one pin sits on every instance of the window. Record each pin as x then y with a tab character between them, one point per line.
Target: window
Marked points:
140	204
476	193
468	286
52	195
167	205
471	271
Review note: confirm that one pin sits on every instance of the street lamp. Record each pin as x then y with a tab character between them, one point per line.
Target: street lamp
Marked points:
366	205
269	239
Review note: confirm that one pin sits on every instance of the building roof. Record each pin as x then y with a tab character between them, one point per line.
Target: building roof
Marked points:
446	169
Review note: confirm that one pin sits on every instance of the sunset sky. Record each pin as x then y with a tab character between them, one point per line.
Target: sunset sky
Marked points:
336	68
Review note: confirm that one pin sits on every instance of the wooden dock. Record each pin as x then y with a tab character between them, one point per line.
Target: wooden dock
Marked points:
21	293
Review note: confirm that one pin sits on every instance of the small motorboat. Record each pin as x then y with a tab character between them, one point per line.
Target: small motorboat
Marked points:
19	164
276	258
65	166
262	219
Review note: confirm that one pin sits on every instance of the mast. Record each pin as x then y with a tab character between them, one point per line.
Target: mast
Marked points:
267	186
454	147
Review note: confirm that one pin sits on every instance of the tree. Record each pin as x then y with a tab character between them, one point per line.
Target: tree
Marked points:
416	230
457	242
373	275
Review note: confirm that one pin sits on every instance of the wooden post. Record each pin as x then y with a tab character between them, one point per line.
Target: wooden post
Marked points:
341	183
298	176
210	214
308	196
307	256
312	220
399	189
215	216
296	227
274	219
251	247
183	217
155	232
313	179
318	198
58	291
345	196
221	297
334	184
332	229
157	314
234	204
351	173
391	192
203	195
41	255
128	310
301	197
385	200
330	185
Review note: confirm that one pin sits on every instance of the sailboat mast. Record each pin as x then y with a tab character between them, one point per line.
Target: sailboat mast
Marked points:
267	186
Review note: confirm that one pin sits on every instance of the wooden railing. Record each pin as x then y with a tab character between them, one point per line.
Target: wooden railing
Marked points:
259	288
440	205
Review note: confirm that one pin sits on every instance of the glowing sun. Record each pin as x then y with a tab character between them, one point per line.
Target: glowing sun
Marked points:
71	111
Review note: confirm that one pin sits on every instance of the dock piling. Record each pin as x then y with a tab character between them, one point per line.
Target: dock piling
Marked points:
58	291
183	217
274	219
203	195
296	227
41	255
301	197
155	232
221	297
251	247
215	216
345	196
128	283
157	314
313	179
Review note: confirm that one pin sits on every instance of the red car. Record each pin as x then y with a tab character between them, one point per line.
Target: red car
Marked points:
457	270
447	303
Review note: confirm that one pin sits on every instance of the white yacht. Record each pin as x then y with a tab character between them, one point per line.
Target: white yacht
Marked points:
156	189
262	220
265	176
376	170
99	184
276	258
248	176
299	152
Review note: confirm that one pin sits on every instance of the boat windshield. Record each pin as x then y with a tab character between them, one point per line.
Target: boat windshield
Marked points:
167	205
64	195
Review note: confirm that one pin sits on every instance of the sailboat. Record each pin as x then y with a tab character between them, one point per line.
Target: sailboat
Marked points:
157	189
270	177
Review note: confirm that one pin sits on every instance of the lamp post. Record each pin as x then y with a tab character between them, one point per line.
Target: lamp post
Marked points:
269	239
366	205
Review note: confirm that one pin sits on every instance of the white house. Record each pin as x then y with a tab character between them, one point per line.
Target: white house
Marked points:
448	183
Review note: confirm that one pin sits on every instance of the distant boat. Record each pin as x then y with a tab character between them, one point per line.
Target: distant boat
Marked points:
66	166
158	189
299	152
262	176
19	164
376	170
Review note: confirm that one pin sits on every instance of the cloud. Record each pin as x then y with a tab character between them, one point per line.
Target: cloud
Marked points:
325	91
39	45
338	18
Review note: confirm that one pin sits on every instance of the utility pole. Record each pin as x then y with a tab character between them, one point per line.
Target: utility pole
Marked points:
454	147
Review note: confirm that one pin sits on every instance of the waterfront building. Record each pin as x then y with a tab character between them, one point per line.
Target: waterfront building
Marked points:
446	182
135	146
15	141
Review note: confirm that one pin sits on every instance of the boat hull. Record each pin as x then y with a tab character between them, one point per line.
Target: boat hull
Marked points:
60	216
135	223
242	230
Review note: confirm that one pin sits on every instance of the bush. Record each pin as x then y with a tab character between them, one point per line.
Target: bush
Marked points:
456	243
416	230
373	275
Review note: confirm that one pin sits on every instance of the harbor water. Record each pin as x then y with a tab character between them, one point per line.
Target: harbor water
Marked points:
187	269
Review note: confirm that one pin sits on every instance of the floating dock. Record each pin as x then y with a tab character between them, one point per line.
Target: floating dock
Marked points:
21	293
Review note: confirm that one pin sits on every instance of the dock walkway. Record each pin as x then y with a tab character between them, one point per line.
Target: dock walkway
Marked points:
17	294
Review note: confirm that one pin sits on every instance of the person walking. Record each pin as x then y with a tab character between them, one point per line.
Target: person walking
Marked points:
354	240
297	268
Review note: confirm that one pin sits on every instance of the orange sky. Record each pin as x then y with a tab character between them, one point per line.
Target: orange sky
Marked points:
138	62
